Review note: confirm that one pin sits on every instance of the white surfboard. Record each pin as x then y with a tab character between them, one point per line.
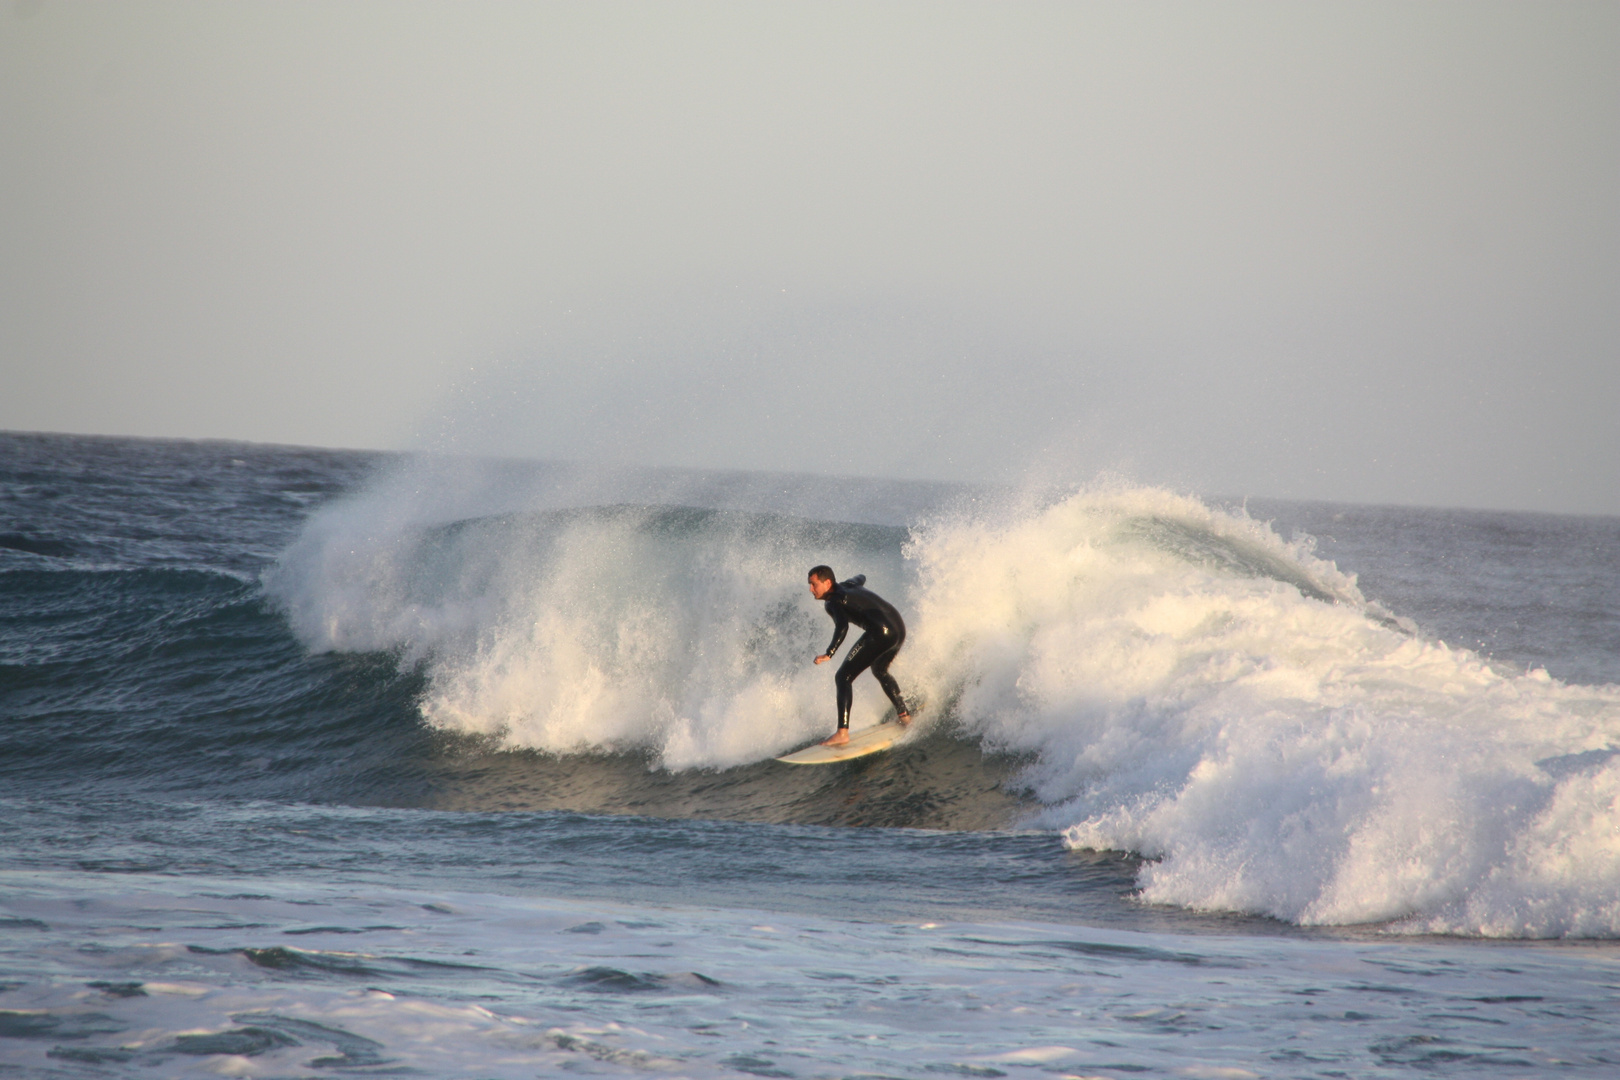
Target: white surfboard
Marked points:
865	741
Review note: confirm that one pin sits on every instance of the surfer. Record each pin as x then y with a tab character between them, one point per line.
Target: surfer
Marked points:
852	602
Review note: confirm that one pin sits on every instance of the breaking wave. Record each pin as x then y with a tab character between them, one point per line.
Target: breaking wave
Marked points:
1178	680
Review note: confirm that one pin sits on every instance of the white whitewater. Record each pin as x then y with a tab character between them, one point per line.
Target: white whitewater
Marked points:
1188	684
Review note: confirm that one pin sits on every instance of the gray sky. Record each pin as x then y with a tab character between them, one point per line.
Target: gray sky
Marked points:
1366	251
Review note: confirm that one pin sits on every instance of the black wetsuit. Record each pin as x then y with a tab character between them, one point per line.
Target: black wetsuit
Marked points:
851	602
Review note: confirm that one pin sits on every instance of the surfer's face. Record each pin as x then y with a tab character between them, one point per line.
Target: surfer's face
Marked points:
820	587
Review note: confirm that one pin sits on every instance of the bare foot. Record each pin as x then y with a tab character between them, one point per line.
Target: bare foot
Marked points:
904	719
839	739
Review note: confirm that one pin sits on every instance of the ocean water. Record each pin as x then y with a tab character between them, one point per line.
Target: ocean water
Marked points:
318	763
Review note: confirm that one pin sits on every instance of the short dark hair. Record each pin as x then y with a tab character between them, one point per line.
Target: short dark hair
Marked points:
823	572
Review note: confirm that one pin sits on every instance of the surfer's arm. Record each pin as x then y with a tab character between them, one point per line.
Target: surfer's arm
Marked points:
840	628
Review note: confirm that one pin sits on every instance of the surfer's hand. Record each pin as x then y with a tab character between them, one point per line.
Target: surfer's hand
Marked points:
823	658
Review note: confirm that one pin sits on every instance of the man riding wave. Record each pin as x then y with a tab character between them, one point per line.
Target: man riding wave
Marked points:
884	632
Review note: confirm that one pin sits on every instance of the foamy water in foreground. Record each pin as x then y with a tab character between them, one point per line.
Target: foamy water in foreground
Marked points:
293	978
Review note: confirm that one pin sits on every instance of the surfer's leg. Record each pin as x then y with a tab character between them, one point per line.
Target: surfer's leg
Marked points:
880	671
858	660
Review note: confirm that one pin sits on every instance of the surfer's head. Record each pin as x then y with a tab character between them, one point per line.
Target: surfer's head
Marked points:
821	581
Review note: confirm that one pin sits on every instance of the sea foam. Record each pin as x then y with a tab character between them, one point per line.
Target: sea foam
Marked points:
1186	683
1273	742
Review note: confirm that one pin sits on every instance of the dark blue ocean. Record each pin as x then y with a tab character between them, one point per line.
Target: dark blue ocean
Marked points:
324	763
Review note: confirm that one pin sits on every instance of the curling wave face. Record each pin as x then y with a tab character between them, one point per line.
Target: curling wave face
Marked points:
1184	683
